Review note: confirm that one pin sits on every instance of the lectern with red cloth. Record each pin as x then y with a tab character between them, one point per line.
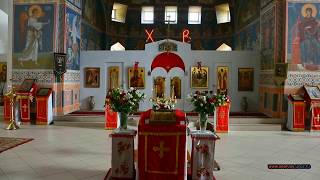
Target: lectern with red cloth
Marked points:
222	120
162	148
44	106
296	113
27	88
312	97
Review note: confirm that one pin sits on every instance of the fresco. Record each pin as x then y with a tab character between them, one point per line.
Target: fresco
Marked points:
304	35
246	12
93	13
267	39
249	38
91	38
33	36
73	35
77	3
59	40
264	3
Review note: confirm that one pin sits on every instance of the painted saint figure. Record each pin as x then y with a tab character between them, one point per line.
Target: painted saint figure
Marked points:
113	77
136	80
309	31
222	80
34	35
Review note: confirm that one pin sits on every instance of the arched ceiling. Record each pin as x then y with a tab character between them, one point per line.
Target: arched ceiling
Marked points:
207	36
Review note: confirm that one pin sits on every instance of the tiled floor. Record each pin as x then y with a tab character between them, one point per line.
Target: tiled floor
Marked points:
67	153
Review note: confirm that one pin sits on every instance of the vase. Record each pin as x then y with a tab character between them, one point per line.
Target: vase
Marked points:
123	117
244	104
91	102
203	121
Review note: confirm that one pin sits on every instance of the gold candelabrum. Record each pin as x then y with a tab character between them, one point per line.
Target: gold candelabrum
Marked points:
13	96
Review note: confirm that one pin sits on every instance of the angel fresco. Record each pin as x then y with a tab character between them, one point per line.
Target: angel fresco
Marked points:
33	34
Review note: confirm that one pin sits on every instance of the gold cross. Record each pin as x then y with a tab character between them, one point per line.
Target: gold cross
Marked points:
24	107
318	118
161	149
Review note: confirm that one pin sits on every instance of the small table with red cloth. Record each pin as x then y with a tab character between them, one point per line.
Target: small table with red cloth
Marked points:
162	148
312	98
296	113
111	118
222	120
27	88
44	106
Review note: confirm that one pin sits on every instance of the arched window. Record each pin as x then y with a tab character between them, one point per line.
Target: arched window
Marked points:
224	47
117	47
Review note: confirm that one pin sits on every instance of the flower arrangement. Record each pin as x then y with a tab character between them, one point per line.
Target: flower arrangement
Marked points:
124	101
163	103
205	103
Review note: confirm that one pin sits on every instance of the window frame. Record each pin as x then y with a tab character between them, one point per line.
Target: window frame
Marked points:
144	10
194	9
174	10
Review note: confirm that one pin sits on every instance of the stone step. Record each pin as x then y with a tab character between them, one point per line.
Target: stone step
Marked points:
134	122
255	127
256	120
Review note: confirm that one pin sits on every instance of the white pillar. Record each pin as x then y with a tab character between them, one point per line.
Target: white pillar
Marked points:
10	42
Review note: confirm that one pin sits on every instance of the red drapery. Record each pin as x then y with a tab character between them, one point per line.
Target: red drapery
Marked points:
167	60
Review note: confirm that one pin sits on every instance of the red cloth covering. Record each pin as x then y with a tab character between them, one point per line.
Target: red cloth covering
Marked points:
111	118
222	124
25	110
42	110
7	109
298	117
167	61
316	116
161	149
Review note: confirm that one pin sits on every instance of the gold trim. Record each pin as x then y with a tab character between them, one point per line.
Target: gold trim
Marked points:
222	131
145	153
298	129
37	123
162	134
177	153
162	172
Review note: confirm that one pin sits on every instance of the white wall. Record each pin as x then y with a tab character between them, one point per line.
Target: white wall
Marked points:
3	30
212	59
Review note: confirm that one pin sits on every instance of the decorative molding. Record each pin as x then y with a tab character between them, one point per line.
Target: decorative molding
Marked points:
299	78
42	76
72	76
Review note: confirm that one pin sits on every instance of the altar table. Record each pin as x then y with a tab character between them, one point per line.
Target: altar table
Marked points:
162	149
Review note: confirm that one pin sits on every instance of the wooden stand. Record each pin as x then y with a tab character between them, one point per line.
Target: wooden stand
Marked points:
312	97
296	111
202	155
27	88
44	106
